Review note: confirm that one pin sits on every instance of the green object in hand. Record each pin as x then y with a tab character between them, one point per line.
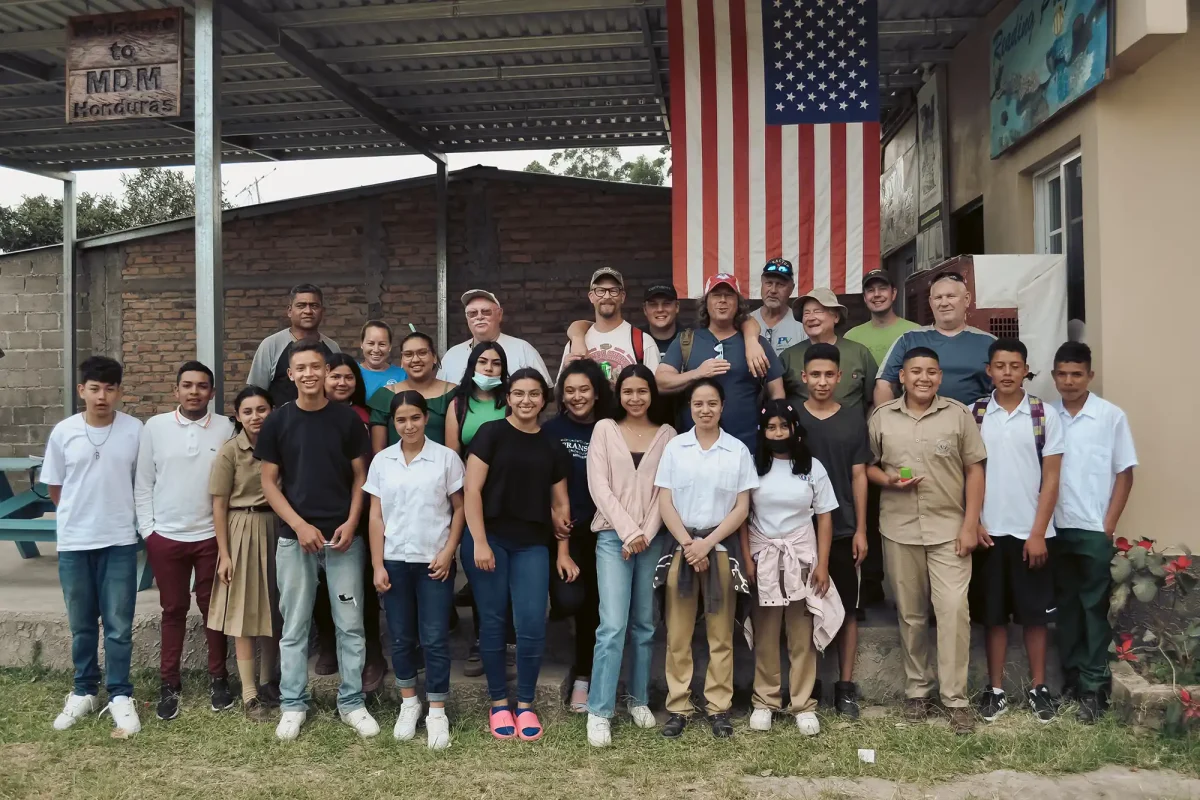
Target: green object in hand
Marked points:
905	474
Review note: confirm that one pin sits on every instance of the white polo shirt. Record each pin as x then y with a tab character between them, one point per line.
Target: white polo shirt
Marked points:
415	500
705	484
171	485
518	352
94	467
785	502
1099	447
1014	476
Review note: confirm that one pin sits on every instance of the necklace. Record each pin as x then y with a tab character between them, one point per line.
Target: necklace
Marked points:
96	447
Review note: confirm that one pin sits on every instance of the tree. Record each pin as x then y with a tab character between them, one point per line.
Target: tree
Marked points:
606	164
155	194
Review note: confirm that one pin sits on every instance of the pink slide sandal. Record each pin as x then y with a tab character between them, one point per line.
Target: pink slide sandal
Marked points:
529	727
502	724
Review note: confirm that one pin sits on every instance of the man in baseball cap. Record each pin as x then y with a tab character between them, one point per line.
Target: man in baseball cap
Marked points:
609	339
775	318
484	316
660	304
820	313
879	293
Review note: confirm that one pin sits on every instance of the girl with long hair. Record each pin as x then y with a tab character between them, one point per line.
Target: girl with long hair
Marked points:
622	459
789	562
418	357
344	384
480	397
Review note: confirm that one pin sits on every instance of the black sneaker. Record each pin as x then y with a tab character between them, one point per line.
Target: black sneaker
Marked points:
722	727
474	665
673	729
1043	704
992	704
268	695
168	702
1091	708
845	699
219	694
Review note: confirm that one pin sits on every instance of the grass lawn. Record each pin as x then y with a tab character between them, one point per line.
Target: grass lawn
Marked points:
207	755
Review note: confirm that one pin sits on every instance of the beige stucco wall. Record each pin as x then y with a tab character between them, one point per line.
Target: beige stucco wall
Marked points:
1139	135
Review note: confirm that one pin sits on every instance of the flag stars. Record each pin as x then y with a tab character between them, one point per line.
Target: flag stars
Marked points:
800	107
842	64
778	24
788	13
779	87
779	106
842	106
787	35
791	98
864	104
823	107
791	76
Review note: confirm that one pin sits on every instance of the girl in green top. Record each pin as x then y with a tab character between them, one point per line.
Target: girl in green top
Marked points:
418	356
480	396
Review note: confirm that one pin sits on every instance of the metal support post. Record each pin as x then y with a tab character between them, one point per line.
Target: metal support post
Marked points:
210	280
442	210
70	355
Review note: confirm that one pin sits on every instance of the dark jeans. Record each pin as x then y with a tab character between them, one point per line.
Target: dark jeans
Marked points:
1080	561
173	564
418	609
579	600
522	578
872	566
100	586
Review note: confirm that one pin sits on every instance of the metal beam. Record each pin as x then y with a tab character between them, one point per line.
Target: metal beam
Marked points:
27	67
299	57
21	165
655	71
210	293
70	354
412	12
900	58
442	192
927	26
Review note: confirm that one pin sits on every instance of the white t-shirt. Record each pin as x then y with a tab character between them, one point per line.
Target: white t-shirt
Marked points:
1099	447
787	332
1014	476
783	503
96	508
415	500
518	352
175	459
705	484
616	348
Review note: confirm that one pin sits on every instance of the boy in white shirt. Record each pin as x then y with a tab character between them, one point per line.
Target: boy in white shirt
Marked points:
89	466
1024	453
175	517
1097	478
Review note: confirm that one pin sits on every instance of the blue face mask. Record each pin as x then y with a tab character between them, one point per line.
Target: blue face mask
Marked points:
486	382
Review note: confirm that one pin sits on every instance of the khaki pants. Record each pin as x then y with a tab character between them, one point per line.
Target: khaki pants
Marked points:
919	574
802	675
681	624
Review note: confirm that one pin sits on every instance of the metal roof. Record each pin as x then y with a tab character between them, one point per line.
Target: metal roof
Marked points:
327	78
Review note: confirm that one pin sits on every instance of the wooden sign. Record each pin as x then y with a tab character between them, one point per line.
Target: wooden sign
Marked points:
125	66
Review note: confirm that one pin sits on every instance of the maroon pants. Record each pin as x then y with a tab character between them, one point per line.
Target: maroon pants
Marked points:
173	563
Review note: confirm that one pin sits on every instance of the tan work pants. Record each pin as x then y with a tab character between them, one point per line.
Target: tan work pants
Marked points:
681	624
802	674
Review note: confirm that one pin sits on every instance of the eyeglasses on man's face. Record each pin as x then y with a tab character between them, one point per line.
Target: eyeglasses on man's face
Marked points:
607	291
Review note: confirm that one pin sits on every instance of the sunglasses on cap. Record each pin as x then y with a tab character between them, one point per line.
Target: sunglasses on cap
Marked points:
950	276
778	266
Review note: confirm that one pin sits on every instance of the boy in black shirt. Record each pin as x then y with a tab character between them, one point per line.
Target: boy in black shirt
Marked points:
314	456
837	437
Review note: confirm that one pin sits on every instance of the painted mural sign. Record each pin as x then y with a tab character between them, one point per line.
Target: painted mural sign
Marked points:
1046	55
125	66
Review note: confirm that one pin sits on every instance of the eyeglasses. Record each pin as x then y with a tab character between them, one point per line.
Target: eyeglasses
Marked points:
480	313
607	291
416	353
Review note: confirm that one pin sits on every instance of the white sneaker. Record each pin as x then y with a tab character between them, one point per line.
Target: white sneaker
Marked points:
643	717
77	707
808	723
599	731
363	723
760	719
125	717
437	730
288	729
406	723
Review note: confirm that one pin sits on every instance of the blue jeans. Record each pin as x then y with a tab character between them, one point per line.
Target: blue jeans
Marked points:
626	603
419	606
100	585
522	577
297	573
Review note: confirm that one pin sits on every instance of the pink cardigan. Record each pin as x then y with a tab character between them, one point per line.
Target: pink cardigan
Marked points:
626	498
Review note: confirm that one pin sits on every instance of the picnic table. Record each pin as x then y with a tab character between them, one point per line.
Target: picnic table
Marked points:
23	516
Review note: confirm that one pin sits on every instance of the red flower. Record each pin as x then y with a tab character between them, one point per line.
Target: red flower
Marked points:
1172	568
1146	543
1125	649
1185	696
1181	563
1123	544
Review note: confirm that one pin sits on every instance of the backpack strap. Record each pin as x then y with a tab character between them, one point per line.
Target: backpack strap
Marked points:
685	347
639	346
1037	412
979	409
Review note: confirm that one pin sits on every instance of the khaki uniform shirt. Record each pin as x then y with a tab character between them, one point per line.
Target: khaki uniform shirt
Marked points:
237	474
938	445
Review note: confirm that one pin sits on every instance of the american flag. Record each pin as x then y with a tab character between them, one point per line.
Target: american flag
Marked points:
775	140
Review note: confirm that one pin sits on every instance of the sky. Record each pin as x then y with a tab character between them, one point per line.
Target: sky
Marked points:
282	180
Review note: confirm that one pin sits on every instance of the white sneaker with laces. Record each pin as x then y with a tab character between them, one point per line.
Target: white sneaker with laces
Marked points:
437	730
599	731
406	723
363	723
808	723
76	708
760	719
124	715
290	722
643	717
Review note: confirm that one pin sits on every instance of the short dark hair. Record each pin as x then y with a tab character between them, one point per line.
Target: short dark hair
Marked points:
408	397
1073	353
375	323
194	366
101	369
306	288
1008	346
921	352
823	351
307	347
601	388
713	382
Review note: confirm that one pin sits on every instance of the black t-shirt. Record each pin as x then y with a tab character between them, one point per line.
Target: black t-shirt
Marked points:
522	469
663	344
283	389
839	443
314	451
575	436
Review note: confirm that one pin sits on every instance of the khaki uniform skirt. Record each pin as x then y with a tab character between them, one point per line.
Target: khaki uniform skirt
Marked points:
246	607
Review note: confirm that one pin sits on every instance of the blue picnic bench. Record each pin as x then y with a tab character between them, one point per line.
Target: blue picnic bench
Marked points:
20	516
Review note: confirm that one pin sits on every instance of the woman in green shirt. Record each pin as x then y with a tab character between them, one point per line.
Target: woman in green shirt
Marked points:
418	356
481	395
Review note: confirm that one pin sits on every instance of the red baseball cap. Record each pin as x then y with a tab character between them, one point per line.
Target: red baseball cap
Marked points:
722	279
